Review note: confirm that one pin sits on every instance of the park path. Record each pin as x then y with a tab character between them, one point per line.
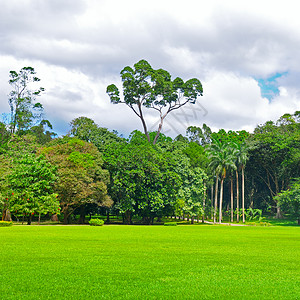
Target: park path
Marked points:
217	223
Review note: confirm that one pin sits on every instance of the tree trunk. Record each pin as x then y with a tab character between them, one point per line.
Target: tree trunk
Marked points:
54	218
216	200
159	128
143	122
192	220
39	220
127	217
66	218
231	199
299	221
7	216
221	201
237	197
212	200
29	219
203	204
243	194
82	215
278	213
107	217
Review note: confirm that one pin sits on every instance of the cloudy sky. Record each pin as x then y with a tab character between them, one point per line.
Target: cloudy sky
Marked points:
246	54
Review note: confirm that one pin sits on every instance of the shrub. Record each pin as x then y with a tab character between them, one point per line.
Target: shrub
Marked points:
5	223
96	222
170	224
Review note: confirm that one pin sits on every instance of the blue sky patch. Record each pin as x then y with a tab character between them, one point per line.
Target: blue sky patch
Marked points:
269	86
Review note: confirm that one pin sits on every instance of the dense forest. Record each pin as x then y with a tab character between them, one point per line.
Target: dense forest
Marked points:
225	175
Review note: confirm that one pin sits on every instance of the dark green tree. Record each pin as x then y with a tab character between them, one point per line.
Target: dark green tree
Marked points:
143	182
289	200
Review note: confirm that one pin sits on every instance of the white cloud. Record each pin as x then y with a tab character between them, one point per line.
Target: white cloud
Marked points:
78	47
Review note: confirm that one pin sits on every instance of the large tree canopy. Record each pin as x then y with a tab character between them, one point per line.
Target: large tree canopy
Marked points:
144	86
81	179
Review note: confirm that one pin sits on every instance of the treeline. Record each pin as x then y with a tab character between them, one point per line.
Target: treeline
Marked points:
221	175
205	174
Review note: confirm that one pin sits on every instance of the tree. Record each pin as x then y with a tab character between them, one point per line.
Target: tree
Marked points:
24	109
87	130
143	182
275	159
289	200
145	87
42	135
222	158
199	135
4	137
81	179
241	153
31	184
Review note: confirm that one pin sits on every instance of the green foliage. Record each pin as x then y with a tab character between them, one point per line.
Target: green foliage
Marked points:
144	181
96	222
289	200
31	183
24	111
170	224
81	178
275	159
145	87
87	130
6	223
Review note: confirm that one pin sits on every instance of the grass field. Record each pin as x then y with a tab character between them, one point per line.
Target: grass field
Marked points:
149	262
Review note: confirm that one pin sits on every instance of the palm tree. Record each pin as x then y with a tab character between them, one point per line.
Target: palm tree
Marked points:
241	159
222	159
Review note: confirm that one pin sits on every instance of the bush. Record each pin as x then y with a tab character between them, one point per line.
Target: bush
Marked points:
170	224
96	222
5	223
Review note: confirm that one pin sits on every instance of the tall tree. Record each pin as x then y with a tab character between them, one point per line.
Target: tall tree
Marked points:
275	160
241	153
24	109
144	86
222	159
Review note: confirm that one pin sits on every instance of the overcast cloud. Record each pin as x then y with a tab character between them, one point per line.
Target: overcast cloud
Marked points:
245	54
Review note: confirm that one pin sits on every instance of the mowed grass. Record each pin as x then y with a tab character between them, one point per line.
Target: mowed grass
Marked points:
149	262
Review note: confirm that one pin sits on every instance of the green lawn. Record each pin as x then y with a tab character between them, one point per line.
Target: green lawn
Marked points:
149	262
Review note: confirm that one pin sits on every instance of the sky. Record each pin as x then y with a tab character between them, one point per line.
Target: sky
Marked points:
245	53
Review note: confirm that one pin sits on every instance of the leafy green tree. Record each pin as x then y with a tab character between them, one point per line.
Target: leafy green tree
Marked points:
15	149
42	135
199	135
24	109
81	178
87	130
4	137
31	183
144	86
289	200
221	159
275	159
142	180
